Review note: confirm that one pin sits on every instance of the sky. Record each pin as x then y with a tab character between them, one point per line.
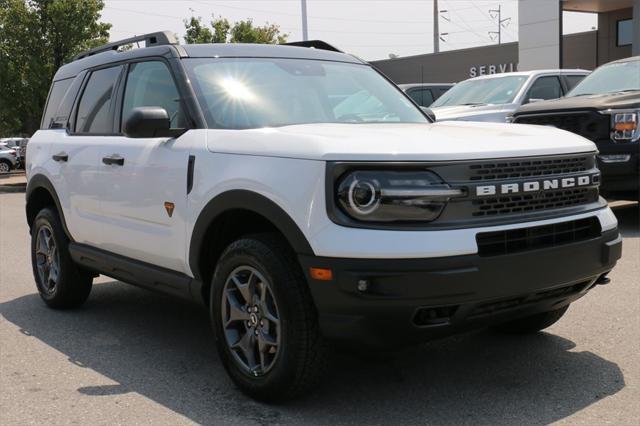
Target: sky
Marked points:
369	29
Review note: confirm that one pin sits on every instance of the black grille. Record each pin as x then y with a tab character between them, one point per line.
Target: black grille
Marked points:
528	168
537	237
527	203
589	124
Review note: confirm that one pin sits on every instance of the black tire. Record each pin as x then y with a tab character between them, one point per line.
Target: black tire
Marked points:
533	323
72	285
6	166
301	356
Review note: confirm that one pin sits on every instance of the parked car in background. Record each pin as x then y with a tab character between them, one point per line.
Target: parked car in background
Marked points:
8	158
20	146
425	93
495	97
605	108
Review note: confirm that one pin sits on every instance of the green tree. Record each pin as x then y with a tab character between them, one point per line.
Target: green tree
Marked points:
240	32
36	38
196	32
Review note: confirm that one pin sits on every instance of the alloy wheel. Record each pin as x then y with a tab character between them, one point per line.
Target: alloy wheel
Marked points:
250	320
47	259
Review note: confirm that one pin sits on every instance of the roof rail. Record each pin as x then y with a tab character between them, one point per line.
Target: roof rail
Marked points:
314	44
151	39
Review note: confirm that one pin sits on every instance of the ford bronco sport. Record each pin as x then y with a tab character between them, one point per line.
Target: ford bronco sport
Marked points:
304	198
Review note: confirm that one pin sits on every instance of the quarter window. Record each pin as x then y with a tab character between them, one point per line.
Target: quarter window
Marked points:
94	110
58	91
150	84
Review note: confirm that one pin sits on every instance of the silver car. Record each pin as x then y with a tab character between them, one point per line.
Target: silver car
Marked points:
8	158
495	97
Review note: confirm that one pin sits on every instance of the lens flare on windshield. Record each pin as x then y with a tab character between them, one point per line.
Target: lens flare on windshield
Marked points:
236	89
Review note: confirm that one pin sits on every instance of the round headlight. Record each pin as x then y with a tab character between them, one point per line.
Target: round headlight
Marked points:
364	196
393	196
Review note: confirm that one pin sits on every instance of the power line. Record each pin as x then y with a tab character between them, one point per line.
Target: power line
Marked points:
284	28
465	26
332	18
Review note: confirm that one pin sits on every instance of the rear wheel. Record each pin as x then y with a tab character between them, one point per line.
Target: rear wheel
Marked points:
265	321
533	323
60	282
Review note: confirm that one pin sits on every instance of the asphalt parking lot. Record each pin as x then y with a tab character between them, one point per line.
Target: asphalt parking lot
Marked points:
129	356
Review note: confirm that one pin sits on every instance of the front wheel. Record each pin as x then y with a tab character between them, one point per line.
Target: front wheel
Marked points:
265	321
533	323
61	283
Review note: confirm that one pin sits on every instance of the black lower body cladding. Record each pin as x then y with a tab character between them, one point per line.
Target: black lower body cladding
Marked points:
384	302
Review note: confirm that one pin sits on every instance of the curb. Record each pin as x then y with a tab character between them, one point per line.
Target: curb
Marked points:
13	188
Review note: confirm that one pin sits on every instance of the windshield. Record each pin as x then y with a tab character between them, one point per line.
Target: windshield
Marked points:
245	93
617	77
497	90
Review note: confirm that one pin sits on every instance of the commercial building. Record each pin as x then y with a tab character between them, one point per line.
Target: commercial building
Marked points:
540	44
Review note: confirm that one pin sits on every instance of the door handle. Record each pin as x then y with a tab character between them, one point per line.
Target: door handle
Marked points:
113	159
60	157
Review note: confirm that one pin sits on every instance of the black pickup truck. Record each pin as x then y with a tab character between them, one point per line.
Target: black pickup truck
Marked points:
605	108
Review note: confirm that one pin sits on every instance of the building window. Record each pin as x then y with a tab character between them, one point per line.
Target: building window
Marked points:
624	33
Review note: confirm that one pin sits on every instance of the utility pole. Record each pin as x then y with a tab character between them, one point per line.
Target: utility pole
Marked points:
436	27
498	11
305	33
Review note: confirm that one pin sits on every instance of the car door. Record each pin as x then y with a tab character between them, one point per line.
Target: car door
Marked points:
75	151
144	180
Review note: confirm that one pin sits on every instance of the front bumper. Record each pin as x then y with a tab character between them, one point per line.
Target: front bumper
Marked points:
619	176
412	300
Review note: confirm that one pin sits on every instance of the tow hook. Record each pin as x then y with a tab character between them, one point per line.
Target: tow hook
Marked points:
603	279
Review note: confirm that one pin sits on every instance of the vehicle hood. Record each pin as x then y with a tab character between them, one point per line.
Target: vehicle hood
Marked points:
472	112
587	102
398	142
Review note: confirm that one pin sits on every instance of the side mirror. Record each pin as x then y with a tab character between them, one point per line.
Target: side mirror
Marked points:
149	122
429	113
533	100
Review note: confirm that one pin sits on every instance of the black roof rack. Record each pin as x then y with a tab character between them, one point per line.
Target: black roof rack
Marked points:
314	44
151	39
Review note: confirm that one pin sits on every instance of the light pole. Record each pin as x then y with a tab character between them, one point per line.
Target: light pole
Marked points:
436	27
305	33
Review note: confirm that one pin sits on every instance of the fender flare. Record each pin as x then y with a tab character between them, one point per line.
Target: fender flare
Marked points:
245	200
40	181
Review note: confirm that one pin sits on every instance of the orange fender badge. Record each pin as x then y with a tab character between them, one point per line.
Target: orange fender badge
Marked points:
169	208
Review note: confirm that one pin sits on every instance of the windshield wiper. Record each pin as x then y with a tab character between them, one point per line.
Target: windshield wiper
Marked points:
475	103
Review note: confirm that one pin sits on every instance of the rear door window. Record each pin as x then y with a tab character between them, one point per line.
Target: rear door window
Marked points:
573	80
422	97
547	87
441	91
95	114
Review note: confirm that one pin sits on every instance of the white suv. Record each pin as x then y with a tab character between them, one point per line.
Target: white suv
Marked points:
303	198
